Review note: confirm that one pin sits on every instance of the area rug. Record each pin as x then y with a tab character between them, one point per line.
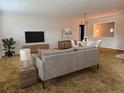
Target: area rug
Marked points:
109	78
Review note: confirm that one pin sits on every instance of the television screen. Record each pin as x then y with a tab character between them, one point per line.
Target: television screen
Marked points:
34	37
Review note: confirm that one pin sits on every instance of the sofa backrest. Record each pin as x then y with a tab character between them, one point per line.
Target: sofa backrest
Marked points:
49	52
55	52
63	63
84	48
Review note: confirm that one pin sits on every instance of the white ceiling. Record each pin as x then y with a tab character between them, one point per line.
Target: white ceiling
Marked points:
67	8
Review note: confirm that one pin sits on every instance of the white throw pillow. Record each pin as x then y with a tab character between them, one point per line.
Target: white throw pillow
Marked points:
84	43
91	43
73	44
98	43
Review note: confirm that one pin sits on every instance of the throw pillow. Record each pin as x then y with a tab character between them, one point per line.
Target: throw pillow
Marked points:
91	43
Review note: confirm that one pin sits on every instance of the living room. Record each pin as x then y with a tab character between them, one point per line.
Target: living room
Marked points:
52	18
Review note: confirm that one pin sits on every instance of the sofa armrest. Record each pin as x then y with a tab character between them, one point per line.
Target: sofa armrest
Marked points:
34	57
39	64
41	68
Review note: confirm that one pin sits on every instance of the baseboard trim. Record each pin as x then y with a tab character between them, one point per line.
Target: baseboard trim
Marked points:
112	48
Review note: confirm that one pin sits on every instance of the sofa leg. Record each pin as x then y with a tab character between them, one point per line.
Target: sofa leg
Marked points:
97	66
43	84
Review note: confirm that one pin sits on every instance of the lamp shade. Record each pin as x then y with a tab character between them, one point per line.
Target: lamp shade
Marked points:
25	54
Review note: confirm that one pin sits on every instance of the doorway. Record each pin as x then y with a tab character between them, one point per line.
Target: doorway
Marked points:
81	28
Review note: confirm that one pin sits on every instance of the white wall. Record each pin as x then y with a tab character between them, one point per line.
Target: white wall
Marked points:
116	42
0	28
15	24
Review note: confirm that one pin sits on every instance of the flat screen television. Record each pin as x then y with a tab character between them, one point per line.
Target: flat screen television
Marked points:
34	37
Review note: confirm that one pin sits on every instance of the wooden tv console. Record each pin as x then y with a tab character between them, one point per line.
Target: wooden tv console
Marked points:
34	48
64	44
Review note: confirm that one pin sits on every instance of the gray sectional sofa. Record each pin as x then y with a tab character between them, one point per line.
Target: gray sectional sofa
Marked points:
60	62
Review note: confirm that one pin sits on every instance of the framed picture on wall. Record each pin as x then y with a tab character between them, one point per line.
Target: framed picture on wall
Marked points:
66	33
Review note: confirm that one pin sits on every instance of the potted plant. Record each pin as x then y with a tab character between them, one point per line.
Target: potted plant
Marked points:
8	45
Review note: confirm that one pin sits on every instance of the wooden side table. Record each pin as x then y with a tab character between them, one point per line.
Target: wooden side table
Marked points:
28	76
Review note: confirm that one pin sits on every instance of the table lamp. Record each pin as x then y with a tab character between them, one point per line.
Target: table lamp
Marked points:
25	56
